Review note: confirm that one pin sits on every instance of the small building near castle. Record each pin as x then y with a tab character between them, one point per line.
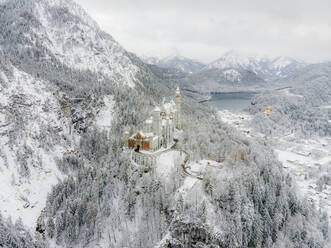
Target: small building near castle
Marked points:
158	130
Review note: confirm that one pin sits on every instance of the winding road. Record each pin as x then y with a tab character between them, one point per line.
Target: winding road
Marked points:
185	162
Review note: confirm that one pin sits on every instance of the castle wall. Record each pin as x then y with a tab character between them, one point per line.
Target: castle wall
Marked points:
132	143
162	125
145	145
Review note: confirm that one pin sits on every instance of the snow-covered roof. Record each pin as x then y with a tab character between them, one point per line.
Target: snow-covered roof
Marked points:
168	106
157	109
143	134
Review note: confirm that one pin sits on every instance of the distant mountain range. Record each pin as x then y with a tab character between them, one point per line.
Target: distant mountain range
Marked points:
178	62
68	91
232	71
267	68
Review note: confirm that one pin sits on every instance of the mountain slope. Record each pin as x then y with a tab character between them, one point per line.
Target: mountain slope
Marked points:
34	132
57	110
217	80
178	62
264	67
301	104
58	70
60	31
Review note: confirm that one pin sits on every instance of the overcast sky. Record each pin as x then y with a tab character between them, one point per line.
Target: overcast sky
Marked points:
205	29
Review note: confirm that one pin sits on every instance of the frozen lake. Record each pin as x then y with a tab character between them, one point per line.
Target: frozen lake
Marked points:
232	101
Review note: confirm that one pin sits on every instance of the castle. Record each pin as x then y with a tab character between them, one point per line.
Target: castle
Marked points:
158	130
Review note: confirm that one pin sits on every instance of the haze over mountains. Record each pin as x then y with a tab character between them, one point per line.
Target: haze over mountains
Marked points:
232	70
178	62
267	68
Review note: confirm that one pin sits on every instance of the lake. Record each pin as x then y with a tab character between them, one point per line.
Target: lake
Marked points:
232	101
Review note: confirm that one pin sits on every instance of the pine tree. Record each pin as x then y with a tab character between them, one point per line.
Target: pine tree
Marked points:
50	228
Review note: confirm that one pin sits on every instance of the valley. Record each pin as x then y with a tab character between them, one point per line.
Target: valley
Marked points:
307	161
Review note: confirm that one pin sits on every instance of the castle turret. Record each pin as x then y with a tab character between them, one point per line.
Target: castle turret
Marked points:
168	130
156	121
178	101
126	139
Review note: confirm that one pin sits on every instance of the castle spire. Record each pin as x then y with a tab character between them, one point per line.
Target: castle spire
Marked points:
177	92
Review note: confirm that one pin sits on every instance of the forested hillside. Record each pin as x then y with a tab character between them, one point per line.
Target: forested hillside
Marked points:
56	69
301	104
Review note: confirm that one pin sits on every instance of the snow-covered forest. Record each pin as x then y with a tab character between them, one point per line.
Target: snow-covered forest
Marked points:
301	104
68	91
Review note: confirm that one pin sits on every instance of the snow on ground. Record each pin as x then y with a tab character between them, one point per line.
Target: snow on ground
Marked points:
165	164
195	169
307	160
198	168
25	198
240	121
187	185
32	135
161	150
232	75
67	41
106	114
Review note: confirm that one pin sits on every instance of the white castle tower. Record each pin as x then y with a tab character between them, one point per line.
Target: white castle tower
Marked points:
126	139
178	101
156	121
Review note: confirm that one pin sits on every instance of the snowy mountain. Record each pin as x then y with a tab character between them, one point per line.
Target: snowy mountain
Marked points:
34	132
217	80
178	62
151	60
61	31
301	104
264	67
68	92
58	72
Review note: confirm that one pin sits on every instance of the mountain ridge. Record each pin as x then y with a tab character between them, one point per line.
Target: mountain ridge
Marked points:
45	64
182	63
268	68
75	40
62	121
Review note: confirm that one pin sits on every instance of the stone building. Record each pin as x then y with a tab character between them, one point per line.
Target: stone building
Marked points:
158	130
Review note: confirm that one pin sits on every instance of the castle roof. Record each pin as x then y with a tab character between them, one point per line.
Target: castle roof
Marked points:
142	134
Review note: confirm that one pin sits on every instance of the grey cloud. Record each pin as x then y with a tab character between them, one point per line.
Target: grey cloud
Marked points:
205	29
